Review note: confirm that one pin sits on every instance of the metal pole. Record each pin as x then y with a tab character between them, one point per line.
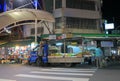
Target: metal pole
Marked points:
35	30
36	1
63	24
54	16
24	5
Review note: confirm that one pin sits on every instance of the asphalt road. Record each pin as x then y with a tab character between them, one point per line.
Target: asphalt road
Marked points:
111	73
19	72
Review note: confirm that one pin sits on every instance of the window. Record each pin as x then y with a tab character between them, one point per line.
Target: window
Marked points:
39	30
80	4
58	23
81	23
32	31
58	4
48	5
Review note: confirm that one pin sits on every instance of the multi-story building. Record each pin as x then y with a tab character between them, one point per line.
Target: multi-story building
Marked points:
76	16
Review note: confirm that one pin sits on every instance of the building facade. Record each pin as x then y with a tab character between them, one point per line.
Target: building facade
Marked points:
76	16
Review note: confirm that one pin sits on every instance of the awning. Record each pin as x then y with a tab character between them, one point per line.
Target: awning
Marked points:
18	15
3	42
17	43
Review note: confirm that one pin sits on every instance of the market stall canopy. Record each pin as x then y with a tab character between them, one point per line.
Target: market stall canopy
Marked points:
14	43
12	17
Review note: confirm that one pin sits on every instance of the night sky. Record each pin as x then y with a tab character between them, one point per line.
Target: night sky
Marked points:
111	11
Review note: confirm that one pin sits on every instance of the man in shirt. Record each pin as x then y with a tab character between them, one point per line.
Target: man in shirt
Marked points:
99	57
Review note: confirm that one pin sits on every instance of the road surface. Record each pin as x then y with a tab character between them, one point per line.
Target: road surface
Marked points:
18	72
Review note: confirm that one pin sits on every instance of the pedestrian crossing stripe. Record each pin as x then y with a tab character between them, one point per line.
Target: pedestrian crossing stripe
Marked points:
52	77
64	74
6	80
79	74
92	69
68	70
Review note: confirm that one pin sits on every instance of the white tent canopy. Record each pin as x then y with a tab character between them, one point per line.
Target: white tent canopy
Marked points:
18	15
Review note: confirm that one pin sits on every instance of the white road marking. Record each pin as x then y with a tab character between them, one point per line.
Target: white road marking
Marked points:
69	70
6	80
81	74
75	69
52	77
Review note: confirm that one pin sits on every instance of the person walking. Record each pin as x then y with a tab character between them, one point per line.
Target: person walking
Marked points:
99	57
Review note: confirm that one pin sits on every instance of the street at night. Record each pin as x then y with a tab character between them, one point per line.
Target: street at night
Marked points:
19	72
59	40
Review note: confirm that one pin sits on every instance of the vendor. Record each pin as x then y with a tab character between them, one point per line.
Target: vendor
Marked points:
45	48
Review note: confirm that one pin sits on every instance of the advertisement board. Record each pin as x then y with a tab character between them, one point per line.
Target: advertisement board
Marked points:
107	44
109	25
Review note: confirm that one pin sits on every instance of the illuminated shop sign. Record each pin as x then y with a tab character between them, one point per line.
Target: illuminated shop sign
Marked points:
107	44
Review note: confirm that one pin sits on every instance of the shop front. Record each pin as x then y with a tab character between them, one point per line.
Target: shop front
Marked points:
15	51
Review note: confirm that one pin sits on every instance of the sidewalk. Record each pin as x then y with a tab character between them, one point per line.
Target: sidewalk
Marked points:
110	73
